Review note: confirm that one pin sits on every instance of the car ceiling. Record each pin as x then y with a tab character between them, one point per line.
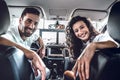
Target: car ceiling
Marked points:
62	9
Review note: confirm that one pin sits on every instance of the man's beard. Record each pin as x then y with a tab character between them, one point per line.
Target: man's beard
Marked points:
28	34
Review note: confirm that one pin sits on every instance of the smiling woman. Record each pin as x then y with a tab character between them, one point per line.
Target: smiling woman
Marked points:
85	66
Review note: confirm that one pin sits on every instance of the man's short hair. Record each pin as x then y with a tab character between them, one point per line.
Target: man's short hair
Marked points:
31	10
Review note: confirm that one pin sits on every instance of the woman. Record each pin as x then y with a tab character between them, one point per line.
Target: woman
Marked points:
83	41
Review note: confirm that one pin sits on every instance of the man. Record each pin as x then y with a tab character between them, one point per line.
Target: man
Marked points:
22	36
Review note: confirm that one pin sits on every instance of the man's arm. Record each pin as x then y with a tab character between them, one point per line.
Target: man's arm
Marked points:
36	60
41	50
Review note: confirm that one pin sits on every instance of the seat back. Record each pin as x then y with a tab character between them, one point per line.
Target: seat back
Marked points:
4	17
106	65
114	22
13	63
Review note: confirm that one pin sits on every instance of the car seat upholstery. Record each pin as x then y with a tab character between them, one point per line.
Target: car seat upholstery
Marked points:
114	22
4	17
13	64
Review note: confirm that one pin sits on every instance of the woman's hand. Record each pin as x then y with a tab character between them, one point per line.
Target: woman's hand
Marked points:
82	64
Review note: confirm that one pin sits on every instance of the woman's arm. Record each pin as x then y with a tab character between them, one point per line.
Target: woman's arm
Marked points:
82	64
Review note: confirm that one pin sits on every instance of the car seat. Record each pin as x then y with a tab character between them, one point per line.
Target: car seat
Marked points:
13	63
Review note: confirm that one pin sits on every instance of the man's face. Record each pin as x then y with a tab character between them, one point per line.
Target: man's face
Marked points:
28	24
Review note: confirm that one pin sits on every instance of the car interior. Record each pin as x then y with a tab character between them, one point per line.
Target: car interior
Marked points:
105	16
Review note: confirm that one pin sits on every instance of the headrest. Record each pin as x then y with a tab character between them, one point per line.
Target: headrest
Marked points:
114	22
4	17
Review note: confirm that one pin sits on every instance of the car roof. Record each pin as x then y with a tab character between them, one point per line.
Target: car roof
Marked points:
63	9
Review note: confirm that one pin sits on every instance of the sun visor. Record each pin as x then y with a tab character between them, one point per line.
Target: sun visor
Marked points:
94	15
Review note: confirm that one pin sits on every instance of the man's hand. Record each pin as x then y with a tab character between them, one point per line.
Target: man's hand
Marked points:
41	52
38	64
30	54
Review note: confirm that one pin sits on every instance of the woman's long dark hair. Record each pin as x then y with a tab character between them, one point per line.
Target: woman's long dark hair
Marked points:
76	45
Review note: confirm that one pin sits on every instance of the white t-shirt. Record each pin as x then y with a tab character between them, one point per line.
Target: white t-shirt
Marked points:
13	35
103	37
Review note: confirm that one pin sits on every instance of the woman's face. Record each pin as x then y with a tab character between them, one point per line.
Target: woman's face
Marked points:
81	31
